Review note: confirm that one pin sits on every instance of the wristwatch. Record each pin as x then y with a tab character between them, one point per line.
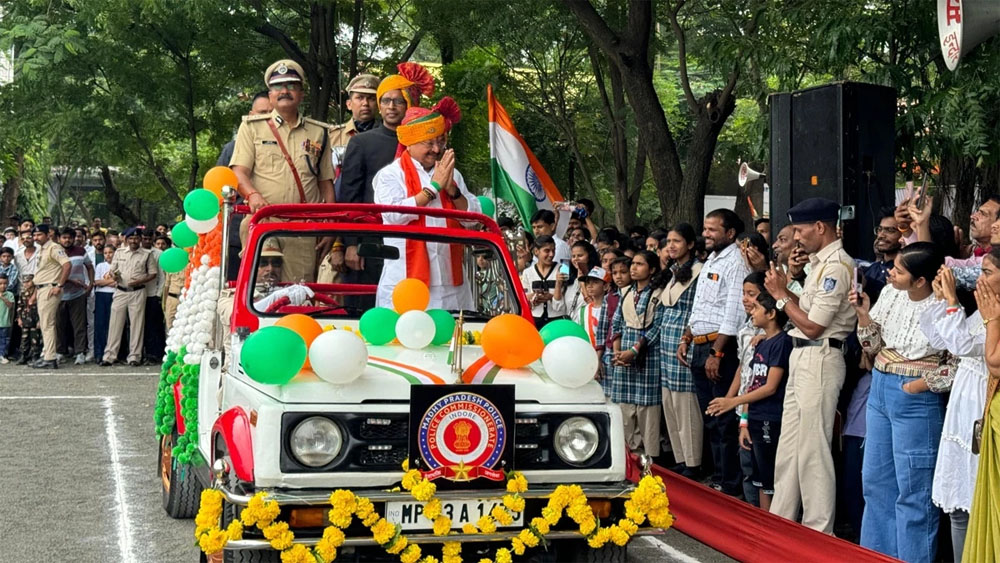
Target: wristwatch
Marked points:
716	353
780	305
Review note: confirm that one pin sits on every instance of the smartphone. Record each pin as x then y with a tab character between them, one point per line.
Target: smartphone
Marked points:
922	193
858	283
538	286
564	267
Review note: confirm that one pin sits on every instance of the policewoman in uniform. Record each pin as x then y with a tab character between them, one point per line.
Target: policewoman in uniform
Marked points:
132	268
823	319
50	276
284	157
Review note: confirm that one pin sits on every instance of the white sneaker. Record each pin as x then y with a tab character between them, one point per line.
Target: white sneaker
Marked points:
80	359
4	360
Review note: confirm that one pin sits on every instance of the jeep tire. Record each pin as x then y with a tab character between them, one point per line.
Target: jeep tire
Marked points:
579	551
180	488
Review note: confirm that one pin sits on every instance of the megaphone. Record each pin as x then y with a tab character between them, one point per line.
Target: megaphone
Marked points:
963	24
748	174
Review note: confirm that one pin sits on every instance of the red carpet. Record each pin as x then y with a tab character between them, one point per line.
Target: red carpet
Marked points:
747	533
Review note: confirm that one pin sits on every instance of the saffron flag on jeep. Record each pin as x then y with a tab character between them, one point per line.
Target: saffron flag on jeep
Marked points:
516	174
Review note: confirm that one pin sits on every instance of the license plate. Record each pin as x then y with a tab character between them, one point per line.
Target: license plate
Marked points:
410	515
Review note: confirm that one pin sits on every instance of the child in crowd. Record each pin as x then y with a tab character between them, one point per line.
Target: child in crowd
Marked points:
760	423
621	277
635	383
6	312
9	269
488	282
595	285
539	281
746	338
27	319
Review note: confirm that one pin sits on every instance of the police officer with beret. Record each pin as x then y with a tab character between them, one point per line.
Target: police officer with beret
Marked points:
283	157
823	319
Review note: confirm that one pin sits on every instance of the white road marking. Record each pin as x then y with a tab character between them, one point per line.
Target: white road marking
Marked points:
91	374
671	551
111	431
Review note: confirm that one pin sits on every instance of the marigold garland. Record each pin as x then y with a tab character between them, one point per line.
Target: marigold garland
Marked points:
648	501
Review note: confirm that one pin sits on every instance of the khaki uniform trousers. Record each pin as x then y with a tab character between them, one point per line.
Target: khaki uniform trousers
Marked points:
48	309
803	468
684	425
170	310
133	304
642	428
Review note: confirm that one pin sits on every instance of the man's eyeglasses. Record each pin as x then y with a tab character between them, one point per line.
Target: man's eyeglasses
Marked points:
435	144
272	262
398	102
290	86
887	230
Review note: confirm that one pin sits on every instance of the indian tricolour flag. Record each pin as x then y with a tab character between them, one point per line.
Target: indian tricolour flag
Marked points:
517	175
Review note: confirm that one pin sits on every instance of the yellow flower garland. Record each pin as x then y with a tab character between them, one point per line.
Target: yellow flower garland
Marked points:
647	502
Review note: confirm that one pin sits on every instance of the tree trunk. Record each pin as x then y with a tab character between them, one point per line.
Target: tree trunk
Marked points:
323	71
689	204
154	165
114	200
356	37
12	186
191	123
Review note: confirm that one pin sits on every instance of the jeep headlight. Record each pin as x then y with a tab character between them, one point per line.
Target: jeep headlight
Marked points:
316	441
576	440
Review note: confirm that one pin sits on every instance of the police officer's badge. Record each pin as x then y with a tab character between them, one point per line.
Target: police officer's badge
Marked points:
282	69
829	284
312	148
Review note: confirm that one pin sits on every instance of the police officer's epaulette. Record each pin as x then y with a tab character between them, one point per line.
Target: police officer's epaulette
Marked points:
259	117
337	127
322	124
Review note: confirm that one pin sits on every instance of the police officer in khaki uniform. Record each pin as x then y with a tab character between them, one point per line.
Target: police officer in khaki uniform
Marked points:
50	277
823	319
172	288
131	268
284	157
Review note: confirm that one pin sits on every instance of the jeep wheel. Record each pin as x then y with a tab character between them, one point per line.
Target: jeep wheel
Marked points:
579	551
181	489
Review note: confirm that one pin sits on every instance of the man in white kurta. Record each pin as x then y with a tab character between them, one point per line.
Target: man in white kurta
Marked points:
424	133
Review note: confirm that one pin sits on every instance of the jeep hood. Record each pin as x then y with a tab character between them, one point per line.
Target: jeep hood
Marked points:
392	369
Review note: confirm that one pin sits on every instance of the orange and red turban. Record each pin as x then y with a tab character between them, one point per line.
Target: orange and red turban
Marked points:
421	124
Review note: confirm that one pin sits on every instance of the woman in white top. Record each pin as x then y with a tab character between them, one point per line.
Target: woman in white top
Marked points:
582	258
904	417
947	327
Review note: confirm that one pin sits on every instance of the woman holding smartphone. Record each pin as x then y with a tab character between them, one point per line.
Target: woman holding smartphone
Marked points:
904	417
582	257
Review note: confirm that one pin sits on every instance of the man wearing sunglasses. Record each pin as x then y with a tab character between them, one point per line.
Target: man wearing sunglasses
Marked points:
284	157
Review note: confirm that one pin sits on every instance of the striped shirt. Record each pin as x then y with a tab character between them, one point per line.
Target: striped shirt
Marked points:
718	300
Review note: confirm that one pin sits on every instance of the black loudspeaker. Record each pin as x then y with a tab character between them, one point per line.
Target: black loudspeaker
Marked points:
835	141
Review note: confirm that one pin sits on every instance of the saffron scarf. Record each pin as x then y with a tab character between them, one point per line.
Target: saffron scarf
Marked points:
418	262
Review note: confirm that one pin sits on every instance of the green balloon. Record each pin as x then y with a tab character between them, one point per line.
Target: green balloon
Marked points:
489	208
444	326
273	355
378	325
174	260
201	205
183	236
560	328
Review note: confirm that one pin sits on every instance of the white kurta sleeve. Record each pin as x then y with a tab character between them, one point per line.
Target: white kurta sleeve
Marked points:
956	333
928	324
389	186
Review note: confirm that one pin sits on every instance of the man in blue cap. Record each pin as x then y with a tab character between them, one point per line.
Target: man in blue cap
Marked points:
823	319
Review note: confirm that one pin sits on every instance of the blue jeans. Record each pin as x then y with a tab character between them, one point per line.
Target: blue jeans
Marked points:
900	451
4	340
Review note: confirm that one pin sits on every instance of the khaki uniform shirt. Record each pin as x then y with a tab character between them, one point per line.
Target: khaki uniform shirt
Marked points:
174	284
51	257
308	144
340	135
825	293
132	265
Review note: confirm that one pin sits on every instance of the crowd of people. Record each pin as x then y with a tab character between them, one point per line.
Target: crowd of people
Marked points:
823	389
84	294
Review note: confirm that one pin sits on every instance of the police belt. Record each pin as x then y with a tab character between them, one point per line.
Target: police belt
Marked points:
174	295
128	289
803	343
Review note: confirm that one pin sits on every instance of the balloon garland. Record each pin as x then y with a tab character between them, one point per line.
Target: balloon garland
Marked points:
647	502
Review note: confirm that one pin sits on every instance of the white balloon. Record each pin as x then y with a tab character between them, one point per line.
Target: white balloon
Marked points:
338	356
415	329
201	226
570	361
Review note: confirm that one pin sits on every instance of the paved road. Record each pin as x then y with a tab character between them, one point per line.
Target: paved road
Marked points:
78	474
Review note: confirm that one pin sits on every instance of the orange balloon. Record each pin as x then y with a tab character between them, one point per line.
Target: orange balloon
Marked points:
303	325
410	294
511	341
218	177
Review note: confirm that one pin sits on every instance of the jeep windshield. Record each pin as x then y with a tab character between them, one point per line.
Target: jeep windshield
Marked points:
465	274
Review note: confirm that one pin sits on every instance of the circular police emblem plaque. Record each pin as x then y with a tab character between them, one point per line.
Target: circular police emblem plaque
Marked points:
282	69
461	434
534	184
